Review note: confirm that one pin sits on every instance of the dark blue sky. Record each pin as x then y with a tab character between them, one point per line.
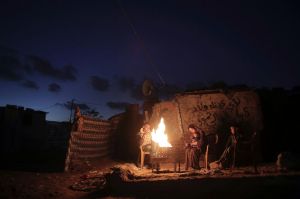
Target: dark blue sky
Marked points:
100	51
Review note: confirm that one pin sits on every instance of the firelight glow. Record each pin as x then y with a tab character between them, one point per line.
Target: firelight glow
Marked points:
159	135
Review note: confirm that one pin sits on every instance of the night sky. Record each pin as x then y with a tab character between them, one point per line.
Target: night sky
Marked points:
99	52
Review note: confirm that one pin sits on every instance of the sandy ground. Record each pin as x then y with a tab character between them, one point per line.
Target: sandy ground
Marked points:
15	184
44	185
128	181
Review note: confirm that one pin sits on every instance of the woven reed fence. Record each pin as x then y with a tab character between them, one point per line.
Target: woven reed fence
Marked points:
90	140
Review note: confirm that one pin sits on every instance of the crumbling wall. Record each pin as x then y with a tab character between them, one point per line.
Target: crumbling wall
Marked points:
211	111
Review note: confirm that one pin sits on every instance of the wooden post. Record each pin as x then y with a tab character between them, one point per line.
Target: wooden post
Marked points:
206	156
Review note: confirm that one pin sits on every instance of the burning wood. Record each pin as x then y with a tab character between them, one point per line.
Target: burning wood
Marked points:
161	147
159	136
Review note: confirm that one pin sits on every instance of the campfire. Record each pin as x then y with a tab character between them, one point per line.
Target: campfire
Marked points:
159	136
162	150
160	143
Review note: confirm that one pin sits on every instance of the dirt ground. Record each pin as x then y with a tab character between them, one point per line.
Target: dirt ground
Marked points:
46	185
128	181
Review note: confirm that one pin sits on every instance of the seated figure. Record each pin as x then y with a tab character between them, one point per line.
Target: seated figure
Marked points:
193	148
145	141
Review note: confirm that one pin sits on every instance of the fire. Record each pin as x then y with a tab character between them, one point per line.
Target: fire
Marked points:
159	135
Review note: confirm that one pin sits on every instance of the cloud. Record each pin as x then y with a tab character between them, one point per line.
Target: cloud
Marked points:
126	83
117	105
137	93
99	84
92	113
30	84
68	105
11	68
169	90
44	67
84	109
135	89
27	68
15	66
54	87
68	72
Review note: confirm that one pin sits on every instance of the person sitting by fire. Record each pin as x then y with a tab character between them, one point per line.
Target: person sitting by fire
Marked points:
193	148
145	137
229	154
145	142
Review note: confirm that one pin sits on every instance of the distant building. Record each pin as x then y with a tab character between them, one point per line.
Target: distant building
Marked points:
57	137
20	128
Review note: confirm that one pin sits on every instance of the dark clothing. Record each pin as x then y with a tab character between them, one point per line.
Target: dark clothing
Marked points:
229	153
231	141
210	144
254	149
192	157
193	151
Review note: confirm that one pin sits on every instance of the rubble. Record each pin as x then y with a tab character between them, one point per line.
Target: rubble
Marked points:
91	181
121	174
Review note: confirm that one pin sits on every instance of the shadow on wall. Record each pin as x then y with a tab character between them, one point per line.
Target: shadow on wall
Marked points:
280	108
126	135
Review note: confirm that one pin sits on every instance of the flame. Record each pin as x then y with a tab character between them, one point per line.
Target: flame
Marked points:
159	135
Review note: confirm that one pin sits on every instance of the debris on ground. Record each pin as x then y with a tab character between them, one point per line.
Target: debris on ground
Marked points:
122	179
91	181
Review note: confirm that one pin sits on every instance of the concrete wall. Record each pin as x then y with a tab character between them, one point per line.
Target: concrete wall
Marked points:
212	111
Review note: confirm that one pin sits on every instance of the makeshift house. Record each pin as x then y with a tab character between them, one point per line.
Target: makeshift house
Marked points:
212	111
